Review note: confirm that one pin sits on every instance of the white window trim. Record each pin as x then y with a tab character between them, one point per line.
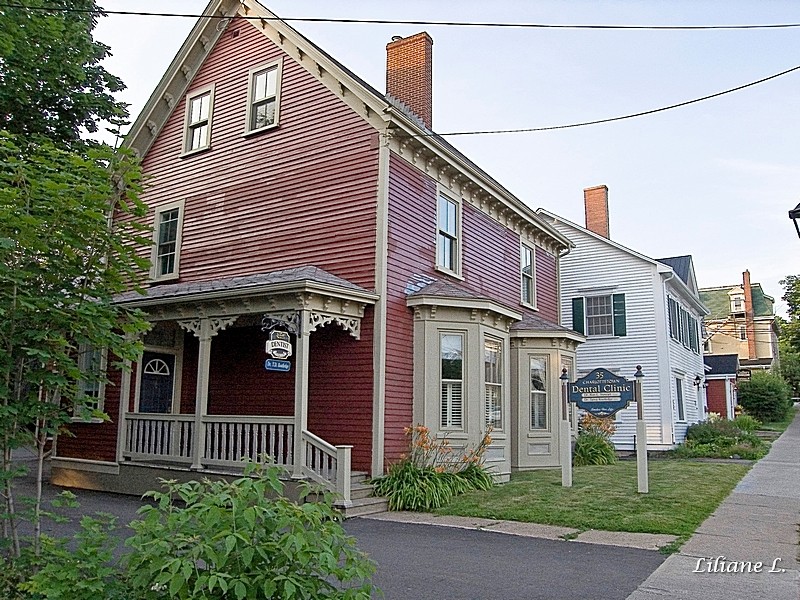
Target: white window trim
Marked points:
531	305
457	273
547	396
278	64
154	275
101	390
680	400
209	89
610	315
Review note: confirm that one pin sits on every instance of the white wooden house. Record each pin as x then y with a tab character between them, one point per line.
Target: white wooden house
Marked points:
634	310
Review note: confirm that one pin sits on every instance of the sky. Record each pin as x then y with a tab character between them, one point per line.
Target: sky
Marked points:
715	179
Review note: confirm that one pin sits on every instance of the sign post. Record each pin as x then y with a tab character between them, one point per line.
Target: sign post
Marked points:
641	435
565	435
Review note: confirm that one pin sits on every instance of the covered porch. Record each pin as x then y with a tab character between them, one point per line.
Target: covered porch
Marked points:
204	398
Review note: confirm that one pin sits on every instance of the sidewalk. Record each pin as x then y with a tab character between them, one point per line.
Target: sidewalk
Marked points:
757	523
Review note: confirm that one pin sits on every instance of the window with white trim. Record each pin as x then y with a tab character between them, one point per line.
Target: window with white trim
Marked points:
683	327
167	231
451	359
493	382
538	374
599	315
528	274
199	108
264	97
448	248
92	386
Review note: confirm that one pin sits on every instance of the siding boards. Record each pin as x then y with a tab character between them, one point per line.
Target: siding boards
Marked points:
301	193
490	266
546	288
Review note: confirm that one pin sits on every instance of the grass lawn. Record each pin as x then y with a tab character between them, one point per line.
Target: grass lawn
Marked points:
682	494
780	426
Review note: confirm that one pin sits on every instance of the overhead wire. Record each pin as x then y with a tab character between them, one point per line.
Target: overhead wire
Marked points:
102	11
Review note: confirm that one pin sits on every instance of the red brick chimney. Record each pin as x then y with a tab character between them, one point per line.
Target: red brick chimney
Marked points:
409	74
749	315
595	200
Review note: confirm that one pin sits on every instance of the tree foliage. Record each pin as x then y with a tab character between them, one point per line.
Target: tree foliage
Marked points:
766	396
63	261
53	84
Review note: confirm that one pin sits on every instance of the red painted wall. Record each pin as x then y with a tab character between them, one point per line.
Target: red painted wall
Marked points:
490	262
715	394
302	193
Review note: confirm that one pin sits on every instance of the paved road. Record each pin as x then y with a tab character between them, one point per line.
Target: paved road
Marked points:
432	562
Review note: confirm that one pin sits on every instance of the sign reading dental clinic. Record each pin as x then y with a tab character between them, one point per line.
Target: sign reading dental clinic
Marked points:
601	393
279	347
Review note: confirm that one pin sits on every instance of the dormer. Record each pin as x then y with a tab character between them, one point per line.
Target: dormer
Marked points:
736	296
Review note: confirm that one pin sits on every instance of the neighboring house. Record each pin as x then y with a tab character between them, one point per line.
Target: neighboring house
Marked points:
634	310
286	195
742	322
721	391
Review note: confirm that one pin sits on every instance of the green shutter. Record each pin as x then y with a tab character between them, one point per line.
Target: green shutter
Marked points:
619	315
578	315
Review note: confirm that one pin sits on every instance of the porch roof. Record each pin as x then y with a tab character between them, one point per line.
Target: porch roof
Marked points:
536	326
298	279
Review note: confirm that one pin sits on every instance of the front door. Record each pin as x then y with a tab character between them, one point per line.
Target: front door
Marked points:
157	383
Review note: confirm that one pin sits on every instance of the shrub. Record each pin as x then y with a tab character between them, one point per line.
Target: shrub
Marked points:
593	449
766	396
214	539
428	477
747	423
706	432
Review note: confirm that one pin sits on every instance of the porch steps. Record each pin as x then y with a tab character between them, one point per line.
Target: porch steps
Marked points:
363	503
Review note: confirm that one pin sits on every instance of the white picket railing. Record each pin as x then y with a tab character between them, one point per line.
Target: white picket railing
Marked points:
328	465
229	440
167	437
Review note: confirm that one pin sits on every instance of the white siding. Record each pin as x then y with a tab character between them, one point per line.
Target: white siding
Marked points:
595	264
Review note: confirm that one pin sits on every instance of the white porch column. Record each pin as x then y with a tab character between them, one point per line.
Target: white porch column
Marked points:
204	329
301	390
124	401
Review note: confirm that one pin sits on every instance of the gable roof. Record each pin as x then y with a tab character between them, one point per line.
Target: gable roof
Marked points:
682	265
384	112
718	301
662	265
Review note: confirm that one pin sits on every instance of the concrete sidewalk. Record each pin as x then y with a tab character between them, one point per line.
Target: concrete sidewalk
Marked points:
757	523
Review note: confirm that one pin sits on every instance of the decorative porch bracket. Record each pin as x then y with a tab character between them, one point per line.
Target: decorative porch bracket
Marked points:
204	329
290	320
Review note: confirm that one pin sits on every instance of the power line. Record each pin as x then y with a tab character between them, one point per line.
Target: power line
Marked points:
620	118
415	22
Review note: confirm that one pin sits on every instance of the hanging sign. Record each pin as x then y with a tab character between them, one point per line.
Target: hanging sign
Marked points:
601	393
279	345
272	364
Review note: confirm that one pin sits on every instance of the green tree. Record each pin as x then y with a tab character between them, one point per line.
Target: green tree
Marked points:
53	83
63	261
766	396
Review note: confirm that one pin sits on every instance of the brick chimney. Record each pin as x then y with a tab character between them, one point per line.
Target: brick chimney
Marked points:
409	74
595	200
749	315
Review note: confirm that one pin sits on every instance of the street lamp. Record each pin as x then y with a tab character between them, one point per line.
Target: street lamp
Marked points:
794	214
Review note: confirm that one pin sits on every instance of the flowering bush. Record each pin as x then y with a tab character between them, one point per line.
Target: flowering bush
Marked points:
432	473
593	445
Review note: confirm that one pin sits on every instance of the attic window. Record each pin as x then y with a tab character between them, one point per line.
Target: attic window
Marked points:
199	109
264	97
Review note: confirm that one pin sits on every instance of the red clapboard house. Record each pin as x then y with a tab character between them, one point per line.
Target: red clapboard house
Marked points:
291	202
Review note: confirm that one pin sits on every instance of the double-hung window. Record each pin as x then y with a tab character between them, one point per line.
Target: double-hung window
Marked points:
528	275
451	357
264	97
538	373
493	374
199	107
600	315
167	231
448	251
679	398
91	386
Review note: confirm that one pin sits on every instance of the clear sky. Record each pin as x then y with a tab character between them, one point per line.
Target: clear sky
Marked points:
714	179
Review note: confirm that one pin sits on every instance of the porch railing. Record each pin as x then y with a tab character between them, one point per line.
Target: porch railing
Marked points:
327	464
229	439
